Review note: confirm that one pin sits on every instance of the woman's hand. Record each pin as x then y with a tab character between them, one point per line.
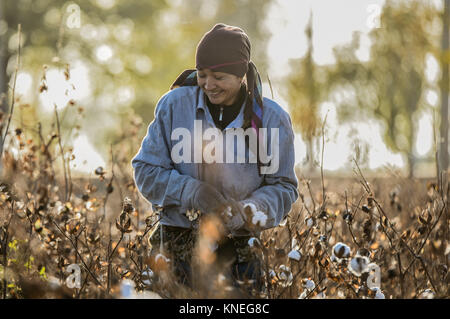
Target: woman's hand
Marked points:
208	200
238	218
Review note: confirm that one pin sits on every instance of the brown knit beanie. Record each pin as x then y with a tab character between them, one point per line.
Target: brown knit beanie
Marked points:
224	49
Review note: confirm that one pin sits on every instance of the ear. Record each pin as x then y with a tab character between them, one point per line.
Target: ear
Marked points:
244	80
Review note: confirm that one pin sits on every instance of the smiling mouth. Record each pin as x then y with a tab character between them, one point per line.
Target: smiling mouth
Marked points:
214	94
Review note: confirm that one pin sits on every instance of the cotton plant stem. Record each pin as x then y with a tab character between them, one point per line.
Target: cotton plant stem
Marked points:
430	279
321	162
13	96
4	244
66	182
350	224
417	254
5	262
79	255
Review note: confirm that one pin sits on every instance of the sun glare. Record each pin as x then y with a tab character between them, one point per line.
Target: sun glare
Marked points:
103	53
87	159
61	91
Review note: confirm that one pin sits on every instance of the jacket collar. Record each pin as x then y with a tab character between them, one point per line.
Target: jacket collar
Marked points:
201	105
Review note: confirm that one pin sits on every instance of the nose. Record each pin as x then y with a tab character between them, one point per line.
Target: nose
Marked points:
209	83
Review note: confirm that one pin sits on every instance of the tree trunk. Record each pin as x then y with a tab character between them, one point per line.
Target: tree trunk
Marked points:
310	155
3	63
411	165
443	140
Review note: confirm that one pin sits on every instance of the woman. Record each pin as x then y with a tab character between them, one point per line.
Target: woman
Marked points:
180	168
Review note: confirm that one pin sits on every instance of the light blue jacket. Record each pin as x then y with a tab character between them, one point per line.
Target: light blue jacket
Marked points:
171	186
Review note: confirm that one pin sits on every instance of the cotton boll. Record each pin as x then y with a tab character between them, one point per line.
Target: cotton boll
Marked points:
253	242
228	212
379	294
308	284
259	218
147	277
295	254
272	273
359	265
303	295
320	295
341	250
147	295
427	294
294	243
285	276
127	289
309	222
252	207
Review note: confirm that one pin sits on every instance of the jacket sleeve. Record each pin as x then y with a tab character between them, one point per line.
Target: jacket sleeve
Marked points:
273	200
154	173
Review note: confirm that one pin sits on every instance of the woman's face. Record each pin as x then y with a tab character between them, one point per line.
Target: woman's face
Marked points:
221	88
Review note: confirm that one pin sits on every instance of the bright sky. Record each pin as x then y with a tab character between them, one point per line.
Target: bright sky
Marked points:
333	24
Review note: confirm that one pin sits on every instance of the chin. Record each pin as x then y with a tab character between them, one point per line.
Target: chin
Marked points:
216	100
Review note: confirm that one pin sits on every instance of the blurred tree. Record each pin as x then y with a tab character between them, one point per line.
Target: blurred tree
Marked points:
304	92
390	85
445	57
132	51
2	58
64	36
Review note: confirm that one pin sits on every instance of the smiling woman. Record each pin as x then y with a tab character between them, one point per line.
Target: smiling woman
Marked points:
245	197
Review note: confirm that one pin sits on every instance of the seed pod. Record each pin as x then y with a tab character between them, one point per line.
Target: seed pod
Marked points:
93	237
365	209
405	235
123	223
347	217
367	229
127	205
109	188
149	221
323	215
38	226
391	273
422	229
73	226
425	217
99	171
363	252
